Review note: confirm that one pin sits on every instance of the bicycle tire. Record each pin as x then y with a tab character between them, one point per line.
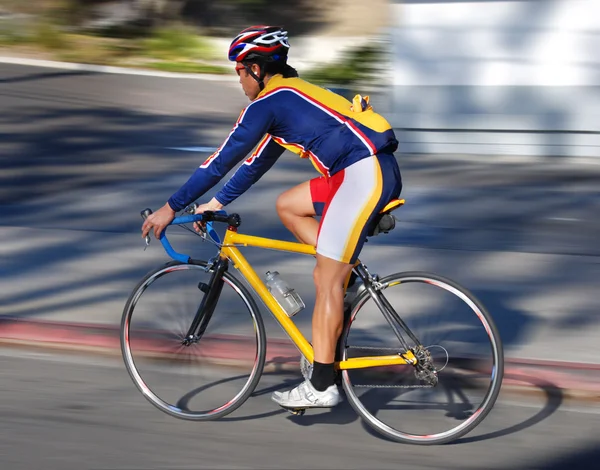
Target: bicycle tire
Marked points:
137	376
401	377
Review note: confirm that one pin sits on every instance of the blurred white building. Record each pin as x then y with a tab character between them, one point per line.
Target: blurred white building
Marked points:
496	77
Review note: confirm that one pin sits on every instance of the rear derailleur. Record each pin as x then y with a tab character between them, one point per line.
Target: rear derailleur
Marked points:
425	371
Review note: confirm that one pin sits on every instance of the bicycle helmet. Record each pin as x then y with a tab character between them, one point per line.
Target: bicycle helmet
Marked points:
269	43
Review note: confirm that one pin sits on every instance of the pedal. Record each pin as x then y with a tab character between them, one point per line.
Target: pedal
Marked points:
295	411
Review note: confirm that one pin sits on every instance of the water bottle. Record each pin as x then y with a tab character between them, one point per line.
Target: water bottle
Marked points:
289	299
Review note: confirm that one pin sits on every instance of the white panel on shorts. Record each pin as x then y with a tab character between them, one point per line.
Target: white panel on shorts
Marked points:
339	223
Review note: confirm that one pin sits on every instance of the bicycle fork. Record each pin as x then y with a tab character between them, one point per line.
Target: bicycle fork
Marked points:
211	291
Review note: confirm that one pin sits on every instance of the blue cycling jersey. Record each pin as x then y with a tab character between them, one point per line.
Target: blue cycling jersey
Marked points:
292	114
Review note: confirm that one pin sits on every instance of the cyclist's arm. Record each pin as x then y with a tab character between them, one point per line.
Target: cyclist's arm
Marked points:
253	123
263	158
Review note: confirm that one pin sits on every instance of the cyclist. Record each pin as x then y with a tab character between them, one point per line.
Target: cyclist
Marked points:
347	142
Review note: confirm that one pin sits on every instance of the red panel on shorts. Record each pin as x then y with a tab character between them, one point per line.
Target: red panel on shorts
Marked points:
323	189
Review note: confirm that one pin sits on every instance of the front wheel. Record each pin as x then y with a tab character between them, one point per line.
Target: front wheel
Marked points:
458	344
202	377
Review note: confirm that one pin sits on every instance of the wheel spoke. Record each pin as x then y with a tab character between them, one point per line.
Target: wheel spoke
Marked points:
208	377
459	373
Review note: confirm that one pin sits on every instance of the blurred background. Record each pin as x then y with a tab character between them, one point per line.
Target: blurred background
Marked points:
191	36
488	76
109	106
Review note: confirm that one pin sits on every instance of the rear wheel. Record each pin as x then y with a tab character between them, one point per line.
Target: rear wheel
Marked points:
203	378
461	360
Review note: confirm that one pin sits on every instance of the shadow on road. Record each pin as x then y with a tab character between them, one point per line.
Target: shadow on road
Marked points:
345	414
554	399
581	458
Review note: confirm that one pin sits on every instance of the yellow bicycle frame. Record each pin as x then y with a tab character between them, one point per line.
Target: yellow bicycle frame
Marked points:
229	250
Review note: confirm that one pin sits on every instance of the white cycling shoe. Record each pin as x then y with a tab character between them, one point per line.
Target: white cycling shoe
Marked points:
306	396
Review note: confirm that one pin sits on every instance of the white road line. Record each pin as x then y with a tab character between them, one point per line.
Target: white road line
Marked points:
62	356
564	219
195	149
115	70
585	407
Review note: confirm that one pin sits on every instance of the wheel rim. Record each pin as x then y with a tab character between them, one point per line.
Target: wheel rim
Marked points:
222	388
473	412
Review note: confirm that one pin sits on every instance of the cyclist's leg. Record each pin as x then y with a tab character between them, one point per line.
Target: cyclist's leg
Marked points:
329	277
356	196
296	210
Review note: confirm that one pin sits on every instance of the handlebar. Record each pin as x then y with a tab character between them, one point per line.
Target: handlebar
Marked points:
233	220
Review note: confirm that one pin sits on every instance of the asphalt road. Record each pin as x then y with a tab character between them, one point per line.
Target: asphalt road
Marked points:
62	412
81	154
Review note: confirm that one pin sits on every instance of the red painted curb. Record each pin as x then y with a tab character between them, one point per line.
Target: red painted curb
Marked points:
90	336
578	377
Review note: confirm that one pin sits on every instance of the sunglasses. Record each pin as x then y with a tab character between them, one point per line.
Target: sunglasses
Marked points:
239	67
242	67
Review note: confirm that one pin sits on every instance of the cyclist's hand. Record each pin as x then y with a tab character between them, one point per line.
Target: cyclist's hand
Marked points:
212	205
158	221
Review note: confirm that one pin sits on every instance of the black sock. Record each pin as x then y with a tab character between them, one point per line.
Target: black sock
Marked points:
323	376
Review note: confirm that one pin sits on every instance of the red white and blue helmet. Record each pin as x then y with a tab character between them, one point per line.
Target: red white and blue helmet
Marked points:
269	43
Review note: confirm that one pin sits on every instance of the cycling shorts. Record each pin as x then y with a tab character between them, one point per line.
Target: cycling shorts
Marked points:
349	201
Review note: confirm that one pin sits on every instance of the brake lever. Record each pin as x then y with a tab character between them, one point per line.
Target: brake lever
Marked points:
145	213
191	209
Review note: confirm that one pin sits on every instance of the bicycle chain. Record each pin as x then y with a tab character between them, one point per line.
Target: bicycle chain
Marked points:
373	348
384	386
392	386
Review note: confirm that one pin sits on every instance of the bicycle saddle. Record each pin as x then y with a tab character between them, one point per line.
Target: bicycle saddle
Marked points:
385	222
392	205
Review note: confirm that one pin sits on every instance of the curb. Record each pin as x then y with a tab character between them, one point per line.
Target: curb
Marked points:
114	70
105	339
569	379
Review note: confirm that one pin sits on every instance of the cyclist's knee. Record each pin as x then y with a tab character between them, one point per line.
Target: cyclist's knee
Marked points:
295	202
330	275
317	276
283	206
